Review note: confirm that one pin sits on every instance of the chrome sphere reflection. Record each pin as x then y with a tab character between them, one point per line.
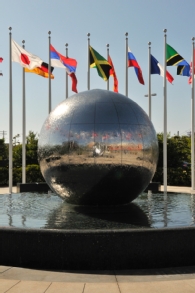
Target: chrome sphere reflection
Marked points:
98	148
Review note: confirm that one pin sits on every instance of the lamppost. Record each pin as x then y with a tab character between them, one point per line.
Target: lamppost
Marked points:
149	105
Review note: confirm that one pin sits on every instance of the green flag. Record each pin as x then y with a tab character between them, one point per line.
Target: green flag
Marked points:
99	62
173	58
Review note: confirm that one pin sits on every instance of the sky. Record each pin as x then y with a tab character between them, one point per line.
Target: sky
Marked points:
107	21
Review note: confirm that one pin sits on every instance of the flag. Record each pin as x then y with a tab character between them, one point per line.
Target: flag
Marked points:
1	59
113	73
173	58
183	70
26	59
190	78
74	82
58	60
100	63
157	68
132	62
42	70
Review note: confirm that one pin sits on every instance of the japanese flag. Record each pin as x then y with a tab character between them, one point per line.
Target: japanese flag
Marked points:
26	59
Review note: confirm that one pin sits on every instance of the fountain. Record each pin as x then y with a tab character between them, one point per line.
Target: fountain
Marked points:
98	152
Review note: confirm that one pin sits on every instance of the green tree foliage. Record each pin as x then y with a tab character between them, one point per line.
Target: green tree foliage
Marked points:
4	173
3	162
3	150
178	160
31	151
33	173
31	148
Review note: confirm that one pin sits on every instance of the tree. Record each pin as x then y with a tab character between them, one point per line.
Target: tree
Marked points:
3	162
178	160
31	151
3	150
31	148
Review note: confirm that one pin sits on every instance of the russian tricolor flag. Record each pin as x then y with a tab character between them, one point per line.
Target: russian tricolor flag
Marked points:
58	60
132	62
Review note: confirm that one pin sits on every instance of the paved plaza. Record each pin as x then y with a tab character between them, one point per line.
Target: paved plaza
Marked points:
173	280
16	279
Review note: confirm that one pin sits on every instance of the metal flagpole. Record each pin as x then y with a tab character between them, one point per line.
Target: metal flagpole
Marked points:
149	80
165	115
107	59
149	83
23	125
10	114
126	65
192	119
49	73
66	72
88	69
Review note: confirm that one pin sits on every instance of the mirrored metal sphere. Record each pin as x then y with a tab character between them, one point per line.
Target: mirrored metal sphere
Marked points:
98	148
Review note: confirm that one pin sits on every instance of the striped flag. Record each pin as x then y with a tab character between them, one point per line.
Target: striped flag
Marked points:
113	73
157	68
132	62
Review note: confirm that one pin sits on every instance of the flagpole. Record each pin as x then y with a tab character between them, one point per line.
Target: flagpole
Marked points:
49	72
126	65
192	120
23	125
10	115
107	59
66	72
165	116
88	69
149	81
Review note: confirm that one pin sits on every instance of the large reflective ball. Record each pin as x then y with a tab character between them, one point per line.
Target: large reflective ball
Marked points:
98	148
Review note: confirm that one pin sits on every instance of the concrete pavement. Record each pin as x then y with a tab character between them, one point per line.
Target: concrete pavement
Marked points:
172	280
5	190
19	280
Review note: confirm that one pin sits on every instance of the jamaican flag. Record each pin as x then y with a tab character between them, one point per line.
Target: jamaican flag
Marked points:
173	58
99	62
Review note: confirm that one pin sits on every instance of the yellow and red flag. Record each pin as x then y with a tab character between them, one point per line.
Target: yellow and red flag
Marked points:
113	73
42	70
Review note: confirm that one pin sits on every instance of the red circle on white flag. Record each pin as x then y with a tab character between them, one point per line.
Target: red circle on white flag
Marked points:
25	59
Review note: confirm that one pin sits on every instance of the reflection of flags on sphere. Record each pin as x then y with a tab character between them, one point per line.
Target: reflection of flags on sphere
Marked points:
105	136
128	135
94	134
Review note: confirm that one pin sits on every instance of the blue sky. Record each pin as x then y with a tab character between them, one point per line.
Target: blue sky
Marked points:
107	21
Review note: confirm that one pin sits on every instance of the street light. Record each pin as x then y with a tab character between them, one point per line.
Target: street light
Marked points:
149	102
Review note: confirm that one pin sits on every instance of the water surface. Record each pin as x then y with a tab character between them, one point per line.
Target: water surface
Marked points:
48	211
